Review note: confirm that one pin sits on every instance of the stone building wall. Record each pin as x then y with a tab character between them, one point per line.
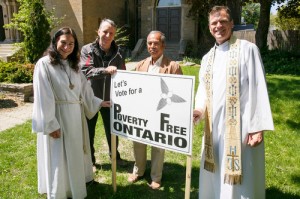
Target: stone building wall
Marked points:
8	8
95	11
72	10
23	90
189	27
148	20
84	16
147	17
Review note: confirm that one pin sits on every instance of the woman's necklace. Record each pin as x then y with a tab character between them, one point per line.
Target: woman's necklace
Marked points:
71	86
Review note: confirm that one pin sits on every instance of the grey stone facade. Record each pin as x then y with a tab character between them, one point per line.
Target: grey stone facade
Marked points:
84	17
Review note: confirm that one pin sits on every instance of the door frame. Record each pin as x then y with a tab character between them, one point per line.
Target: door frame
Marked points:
2	30
168	32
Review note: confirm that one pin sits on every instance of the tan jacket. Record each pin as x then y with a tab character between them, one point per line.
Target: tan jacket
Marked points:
167	66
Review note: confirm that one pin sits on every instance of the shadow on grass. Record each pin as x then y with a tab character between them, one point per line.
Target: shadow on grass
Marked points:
274	193
281	90
296	179
173	184
292	124
127	167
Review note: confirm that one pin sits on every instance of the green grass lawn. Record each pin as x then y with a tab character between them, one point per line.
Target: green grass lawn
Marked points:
18	170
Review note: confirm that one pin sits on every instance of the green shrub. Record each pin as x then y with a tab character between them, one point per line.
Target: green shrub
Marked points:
191	49
35	23
281	62
15	72
122	37
275	62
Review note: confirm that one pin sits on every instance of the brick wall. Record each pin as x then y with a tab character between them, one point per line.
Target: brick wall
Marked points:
72	10
84	16
95	11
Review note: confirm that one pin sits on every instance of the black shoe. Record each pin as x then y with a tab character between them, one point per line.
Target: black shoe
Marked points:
121	162
89	183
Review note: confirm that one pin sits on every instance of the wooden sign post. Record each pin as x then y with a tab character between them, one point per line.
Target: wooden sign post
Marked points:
156	110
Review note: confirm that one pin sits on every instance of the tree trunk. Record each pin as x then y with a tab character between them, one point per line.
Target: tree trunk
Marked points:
236	10
261	35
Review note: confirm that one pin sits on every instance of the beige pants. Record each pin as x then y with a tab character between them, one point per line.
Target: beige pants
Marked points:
157	161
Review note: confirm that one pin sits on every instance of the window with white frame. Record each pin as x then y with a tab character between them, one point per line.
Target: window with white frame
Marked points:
168	3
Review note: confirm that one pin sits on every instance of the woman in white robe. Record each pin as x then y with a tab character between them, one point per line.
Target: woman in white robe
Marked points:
62	100
255	114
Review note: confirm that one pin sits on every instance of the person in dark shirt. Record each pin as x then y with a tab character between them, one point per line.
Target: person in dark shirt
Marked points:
98	61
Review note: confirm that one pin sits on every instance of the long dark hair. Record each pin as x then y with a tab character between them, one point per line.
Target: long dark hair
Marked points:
55	57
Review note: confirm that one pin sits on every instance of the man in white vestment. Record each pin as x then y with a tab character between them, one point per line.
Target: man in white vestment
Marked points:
232	97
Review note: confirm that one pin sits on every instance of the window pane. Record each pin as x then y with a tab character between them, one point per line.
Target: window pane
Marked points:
164	3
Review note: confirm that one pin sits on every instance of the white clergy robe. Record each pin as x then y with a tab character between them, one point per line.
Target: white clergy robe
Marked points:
63	167
255	116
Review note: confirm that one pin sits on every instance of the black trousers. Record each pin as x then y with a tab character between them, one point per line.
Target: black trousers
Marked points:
105	114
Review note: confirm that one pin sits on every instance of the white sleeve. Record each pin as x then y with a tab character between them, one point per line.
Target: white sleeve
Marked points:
200	99
91	102
260	116
43	117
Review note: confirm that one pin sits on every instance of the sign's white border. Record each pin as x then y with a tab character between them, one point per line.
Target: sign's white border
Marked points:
136	101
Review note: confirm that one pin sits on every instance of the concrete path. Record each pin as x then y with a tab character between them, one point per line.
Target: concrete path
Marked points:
19	115
15	116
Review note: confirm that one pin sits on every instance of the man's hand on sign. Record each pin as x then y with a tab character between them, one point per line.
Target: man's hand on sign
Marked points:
111	69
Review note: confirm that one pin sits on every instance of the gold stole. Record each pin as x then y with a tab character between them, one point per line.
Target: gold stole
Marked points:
233	161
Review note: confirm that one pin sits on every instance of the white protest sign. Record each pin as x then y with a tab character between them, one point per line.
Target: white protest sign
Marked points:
154	109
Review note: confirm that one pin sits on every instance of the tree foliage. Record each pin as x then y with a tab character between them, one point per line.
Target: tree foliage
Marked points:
250	13
200	8
288	16
264	21
122	37
283	23
291	9
199	12
286	23
35	24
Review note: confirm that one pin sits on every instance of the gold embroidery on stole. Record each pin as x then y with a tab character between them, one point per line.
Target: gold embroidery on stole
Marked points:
233	164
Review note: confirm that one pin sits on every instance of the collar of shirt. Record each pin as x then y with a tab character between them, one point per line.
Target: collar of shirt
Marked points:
158	62
154	68
222	47
105	56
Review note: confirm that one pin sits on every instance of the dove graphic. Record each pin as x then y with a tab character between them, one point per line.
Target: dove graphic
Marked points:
167	97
